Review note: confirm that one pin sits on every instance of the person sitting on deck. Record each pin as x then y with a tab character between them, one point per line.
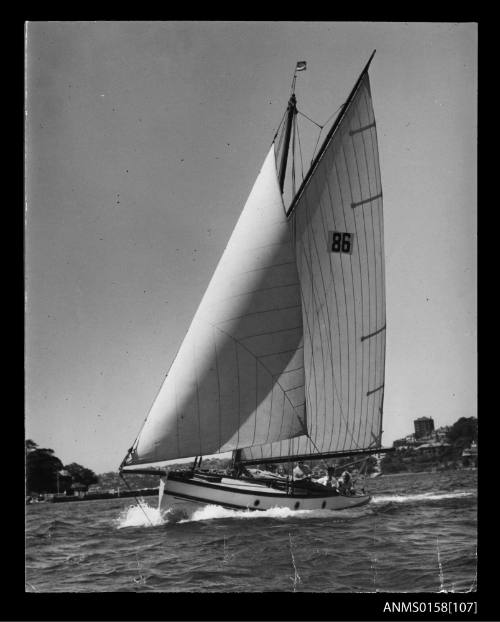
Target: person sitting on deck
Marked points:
301	471
345	483
329	479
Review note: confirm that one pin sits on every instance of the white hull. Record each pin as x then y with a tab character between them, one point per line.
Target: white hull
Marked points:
238	494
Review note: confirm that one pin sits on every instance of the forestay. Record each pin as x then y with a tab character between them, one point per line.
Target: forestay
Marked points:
337	219
238	378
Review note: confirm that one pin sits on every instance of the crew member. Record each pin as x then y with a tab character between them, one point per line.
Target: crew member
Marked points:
329	479
345	483
301	471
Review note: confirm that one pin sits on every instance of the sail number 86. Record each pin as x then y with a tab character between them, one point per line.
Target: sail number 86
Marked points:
340	242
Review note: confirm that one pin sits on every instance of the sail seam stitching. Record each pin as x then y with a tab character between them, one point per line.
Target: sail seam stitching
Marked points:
325	234
334	385
239	317
360	408
327	305
353	290
272	332
236	341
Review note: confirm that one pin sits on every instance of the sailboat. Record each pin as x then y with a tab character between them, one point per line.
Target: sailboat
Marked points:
285	357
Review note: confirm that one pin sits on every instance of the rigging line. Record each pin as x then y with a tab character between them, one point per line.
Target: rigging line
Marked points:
301	158
137	500
280	140
315	147
270	417
279	145
332	115
294	128
309	118
177	419
256	411
239	390
197	395
320	126
279	126
316	448
218	383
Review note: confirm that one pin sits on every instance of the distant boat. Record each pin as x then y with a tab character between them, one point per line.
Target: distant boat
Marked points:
285	357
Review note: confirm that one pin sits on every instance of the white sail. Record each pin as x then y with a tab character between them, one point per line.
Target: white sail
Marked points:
238	378
339	247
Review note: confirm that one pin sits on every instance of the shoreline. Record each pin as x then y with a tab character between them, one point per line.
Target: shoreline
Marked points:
95	496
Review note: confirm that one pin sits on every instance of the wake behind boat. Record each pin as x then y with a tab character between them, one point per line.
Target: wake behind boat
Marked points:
285	357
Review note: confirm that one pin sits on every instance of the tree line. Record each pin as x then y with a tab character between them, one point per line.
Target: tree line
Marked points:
45	473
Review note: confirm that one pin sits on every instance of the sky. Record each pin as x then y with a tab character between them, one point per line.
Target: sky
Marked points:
142	143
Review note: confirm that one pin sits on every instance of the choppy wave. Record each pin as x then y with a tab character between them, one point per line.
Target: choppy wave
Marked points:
425	496
144	515
210	512
409	538
141	515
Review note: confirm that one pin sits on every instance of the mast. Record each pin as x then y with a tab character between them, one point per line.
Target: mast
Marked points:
329	136
290	112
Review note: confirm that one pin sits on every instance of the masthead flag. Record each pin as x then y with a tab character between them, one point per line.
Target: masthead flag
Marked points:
301	65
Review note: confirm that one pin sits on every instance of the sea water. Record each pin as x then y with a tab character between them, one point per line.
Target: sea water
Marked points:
418	534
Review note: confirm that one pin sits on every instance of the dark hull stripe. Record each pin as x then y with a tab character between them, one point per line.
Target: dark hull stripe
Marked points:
231	506
249	492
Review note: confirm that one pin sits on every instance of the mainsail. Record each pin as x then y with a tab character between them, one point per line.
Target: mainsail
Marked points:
286	353
338	230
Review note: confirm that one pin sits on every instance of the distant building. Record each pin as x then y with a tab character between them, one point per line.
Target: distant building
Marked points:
424	426
79	489
469	456
400	442
441	434
432	449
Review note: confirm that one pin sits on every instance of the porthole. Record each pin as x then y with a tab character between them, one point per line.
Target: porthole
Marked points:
297	505
323	505
256	502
